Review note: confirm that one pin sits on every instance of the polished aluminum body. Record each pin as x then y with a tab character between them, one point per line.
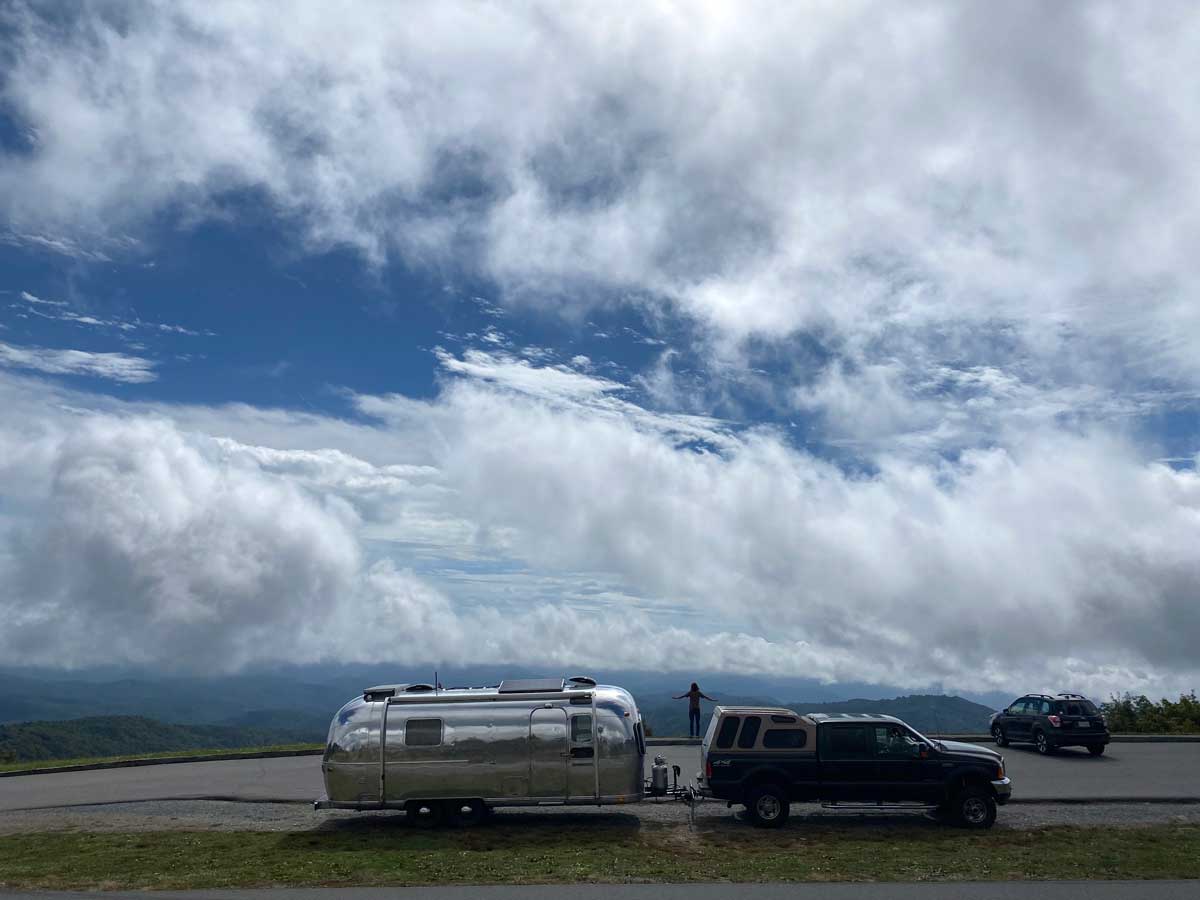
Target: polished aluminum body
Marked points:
389	748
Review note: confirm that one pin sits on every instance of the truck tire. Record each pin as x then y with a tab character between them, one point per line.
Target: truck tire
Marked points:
767	806
998	736
1042	743
975	807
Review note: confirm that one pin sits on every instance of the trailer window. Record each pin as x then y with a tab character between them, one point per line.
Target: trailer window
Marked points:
729	728
641	738
749	736
581	729
785	738
422	732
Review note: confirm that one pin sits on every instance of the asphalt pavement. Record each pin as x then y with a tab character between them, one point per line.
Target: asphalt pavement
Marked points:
1007	890
1146	772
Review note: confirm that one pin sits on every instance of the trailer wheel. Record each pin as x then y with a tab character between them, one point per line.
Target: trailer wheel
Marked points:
466	813
767	806
426	813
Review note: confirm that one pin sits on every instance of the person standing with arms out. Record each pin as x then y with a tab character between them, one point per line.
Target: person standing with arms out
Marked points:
694	695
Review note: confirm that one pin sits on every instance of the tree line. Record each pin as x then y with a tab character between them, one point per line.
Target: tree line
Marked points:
1141	715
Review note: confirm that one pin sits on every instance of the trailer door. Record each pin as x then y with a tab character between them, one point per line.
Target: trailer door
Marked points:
548	756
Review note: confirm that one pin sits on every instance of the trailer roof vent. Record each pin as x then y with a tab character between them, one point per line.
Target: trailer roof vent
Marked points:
416	688
530	685
585	680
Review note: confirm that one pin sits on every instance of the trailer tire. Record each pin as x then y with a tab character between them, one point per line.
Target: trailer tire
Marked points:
767	806
426	813
466	813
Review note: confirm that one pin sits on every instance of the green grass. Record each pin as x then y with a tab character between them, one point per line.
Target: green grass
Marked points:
91	760
386	851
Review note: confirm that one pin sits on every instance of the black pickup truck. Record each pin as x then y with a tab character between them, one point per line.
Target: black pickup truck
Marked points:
767	759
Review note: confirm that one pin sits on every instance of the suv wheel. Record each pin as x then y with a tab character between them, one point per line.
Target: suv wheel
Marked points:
998	736
976	808
1096	749
767	806
1042	743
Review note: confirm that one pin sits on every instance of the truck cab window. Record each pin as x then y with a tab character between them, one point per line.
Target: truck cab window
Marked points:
849	742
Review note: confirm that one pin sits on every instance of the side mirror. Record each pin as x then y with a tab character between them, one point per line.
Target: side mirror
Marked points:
923	751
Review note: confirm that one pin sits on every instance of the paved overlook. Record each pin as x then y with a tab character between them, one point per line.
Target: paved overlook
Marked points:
1129	771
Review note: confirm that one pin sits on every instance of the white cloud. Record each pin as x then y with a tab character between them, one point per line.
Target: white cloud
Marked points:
863	170
113	366
631	546
59	311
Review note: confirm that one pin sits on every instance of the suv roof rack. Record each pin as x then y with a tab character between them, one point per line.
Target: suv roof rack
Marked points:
1072	696
1043	696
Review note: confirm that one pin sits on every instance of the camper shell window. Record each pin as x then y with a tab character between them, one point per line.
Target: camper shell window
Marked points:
729	727
785	739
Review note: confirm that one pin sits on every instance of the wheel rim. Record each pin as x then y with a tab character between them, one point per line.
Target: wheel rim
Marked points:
997	733
974	810
1041	743
767	808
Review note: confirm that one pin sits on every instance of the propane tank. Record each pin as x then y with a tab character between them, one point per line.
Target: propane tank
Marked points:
658	777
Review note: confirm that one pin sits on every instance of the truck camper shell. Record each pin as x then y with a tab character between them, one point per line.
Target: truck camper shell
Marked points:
526	742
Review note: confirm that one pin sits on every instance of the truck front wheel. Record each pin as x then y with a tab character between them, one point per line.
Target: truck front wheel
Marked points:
767	806
975	807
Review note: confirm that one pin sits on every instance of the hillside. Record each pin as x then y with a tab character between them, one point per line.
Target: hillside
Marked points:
131	735
928	713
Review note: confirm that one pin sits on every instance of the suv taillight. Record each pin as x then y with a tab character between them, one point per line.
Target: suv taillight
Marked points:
1054	720
708	769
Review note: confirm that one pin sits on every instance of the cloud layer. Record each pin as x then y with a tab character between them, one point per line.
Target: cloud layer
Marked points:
1065	559
854	168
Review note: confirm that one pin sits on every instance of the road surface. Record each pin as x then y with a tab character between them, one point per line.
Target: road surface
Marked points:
1128	771
1007	890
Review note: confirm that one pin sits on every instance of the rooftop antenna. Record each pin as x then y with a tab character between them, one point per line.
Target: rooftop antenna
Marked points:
436	687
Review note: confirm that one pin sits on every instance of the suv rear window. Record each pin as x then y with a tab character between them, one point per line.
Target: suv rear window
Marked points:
729	727
1078	708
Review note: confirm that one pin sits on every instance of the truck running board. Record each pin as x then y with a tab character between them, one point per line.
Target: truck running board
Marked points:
914	807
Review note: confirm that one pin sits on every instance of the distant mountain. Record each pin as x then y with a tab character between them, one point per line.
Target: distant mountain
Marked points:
302	699
928	713
131	735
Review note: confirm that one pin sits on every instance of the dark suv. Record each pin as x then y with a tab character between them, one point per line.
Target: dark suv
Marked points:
1068	720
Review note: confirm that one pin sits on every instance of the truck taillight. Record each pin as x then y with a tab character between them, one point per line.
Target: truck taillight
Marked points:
1054	720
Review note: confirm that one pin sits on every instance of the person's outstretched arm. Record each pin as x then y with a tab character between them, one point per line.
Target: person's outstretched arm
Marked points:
680	697
706	697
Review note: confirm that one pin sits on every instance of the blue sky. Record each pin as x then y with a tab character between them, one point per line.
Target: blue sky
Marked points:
826	342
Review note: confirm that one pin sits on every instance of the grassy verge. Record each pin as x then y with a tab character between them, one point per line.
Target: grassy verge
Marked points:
383	852
91	760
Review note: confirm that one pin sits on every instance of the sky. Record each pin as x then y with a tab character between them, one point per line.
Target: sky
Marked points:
848	341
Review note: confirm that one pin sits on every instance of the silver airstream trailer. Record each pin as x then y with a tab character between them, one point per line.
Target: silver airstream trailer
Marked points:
454	754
